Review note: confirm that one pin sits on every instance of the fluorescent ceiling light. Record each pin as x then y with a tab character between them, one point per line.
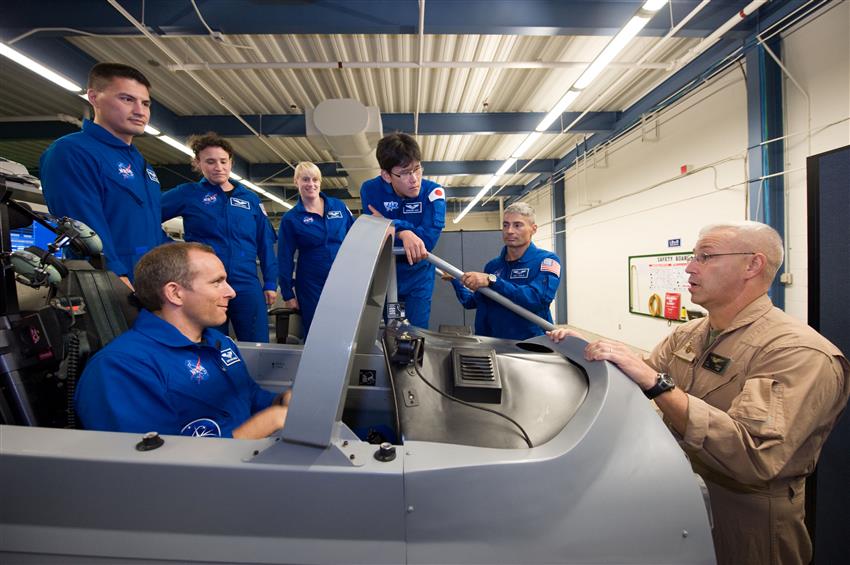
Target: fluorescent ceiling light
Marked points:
176	145
235	176
611	50
150	130
475	200
38	68
559	109
265	193
526	145
506	166
654	5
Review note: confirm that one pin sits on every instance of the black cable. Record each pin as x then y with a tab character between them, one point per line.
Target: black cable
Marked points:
463	402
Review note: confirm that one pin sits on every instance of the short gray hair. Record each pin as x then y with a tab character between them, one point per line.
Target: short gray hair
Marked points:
161	265
523	209
761	238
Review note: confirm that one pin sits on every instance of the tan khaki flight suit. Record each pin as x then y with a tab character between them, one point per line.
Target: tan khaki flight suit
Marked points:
763	398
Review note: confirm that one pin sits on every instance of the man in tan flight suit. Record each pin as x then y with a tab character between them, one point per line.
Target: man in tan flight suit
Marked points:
751	395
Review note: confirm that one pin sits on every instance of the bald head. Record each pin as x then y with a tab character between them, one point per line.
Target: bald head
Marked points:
756	237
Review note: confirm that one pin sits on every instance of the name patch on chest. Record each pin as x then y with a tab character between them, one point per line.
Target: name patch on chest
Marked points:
239	203
412	208
229	357
334	215
519	273
716	363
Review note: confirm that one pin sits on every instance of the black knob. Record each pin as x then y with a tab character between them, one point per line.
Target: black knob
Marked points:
386	452
150	440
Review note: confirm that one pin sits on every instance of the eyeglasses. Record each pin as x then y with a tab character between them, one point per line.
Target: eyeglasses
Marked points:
409	175
702	258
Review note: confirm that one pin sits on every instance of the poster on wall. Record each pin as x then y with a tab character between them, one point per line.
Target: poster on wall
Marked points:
658	287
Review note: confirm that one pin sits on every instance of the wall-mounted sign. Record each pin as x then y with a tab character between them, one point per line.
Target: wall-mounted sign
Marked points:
674	243
658	286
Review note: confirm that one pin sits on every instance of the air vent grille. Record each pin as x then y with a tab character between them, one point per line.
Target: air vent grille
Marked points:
476	374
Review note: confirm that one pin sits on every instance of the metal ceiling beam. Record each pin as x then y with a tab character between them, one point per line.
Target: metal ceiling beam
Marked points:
500	17
294	125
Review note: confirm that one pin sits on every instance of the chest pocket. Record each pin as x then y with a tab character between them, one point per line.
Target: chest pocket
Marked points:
241	214
117	184
760	409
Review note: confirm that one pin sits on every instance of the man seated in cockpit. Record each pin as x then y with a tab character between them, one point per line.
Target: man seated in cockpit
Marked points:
172	372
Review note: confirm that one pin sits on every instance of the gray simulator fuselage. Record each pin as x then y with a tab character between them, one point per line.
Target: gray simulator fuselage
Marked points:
604	482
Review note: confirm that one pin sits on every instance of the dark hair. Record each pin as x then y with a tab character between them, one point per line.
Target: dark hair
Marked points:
102	74
198	143
161	265
397	150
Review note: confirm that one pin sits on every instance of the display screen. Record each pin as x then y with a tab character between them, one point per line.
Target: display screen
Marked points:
36	235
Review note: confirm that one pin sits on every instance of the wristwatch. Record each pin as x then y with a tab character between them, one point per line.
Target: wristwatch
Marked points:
663	383
491	279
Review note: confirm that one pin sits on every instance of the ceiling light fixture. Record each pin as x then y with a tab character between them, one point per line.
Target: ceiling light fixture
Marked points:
617	44
38	68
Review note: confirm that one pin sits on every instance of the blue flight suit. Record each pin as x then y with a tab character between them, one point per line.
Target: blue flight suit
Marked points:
96	178
236	226
317	240
425	215
152	378
531	282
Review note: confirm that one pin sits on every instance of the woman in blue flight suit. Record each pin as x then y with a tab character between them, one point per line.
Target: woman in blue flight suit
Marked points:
222	213
315	228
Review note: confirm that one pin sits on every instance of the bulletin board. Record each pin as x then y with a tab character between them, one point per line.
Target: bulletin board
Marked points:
658	286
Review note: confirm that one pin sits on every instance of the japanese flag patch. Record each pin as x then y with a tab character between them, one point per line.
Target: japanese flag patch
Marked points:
438	193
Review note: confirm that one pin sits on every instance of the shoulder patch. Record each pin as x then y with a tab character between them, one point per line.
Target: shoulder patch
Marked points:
334	214
437	194
549	265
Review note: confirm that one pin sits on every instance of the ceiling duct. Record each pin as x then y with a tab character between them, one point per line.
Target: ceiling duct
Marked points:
350	131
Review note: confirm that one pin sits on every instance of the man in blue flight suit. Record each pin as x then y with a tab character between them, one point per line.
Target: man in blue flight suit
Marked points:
417	208
220	212
98	177
522	272
172	372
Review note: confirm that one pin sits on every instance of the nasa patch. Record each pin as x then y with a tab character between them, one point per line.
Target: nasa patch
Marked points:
334	215
210	198
391	205
202	427
126	170
197	372
239	203
412	208
308	219
519	273
229	357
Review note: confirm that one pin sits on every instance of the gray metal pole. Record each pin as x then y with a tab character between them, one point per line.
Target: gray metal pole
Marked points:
489	293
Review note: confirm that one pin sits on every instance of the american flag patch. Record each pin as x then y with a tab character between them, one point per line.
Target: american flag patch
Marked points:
551	266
